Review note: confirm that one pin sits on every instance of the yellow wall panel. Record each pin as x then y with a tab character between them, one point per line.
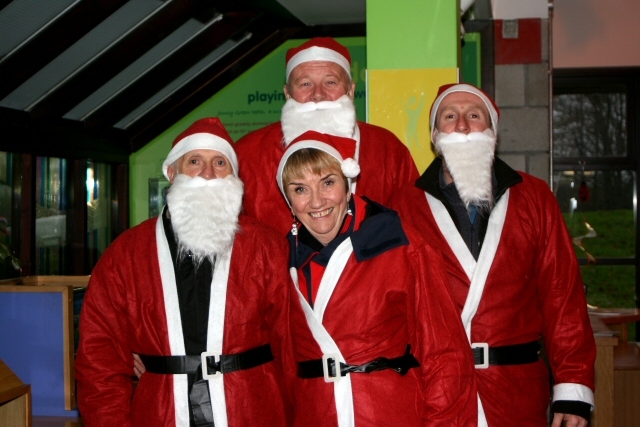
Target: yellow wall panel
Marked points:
399	100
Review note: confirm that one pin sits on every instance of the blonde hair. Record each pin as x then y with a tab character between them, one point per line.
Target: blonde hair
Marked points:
311	160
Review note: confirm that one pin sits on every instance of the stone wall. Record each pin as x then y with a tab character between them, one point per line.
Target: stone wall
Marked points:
522	94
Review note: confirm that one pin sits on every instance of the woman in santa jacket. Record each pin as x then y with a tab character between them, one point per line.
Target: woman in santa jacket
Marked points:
370	325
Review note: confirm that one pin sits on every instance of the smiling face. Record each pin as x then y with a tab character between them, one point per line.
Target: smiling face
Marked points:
462	112
316	81
317	192
208	164
320	202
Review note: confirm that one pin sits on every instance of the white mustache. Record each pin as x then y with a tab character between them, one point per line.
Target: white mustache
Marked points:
198	181
457	137
313	106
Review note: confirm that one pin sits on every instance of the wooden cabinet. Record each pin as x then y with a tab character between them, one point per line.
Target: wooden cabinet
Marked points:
15	399
617	369
603	414
626	377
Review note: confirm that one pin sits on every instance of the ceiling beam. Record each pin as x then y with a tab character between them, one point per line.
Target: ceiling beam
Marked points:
64	143
3	3
50	41
265	38
113	59
57	140
166	71
42	131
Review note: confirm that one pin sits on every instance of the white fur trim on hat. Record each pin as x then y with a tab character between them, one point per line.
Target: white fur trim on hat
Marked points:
493	113
349	166
201	141
316	53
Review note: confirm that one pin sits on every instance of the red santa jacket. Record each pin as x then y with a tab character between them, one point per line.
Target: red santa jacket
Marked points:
533	289
390	293
385	163
125	312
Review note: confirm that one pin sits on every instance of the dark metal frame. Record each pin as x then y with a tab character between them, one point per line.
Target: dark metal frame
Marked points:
485	27
593	80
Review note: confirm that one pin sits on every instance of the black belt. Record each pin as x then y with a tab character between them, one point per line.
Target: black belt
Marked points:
199	398
316	368
517	354
189	364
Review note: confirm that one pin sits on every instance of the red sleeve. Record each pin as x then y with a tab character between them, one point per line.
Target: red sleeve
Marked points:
259	154
567	332
446	362
279	296
104	363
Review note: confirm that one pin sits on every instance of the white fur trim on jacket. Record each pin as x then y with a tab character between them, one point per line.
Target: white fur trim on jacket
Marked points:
215	330
342	389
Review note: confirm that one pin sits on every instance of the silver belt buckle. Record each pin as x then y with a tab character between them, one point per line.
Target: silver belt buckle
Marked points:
485	354
205	369
325	369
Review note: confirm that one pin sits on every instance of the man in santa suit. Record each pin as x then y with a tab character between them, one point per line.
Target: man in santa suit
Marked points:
512	269
320	95
199	293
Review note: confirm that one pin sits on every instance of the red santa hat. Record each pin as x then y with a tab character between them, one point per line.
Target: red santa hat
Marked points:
445	90
342	149
319	49
204	134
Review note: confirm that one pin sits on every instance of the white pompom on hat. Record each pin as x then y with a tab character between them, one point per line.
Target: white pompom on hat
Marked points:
342	149
447	89
204	134
319	49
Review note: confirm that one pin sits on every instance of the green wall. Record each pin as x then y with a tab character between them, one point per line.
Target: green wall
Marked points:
251	101
471	59
412	34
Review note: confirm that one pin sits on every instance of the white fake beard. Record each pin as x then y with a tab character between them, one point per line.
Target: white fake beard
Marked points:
204	215
469	160
330	117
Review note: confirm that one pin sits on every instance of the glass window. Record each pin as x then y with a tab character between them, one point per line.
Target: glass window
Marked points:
59	217
53	196
589	124
598	207
99	196
609	285
595	178
10	265
5	197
